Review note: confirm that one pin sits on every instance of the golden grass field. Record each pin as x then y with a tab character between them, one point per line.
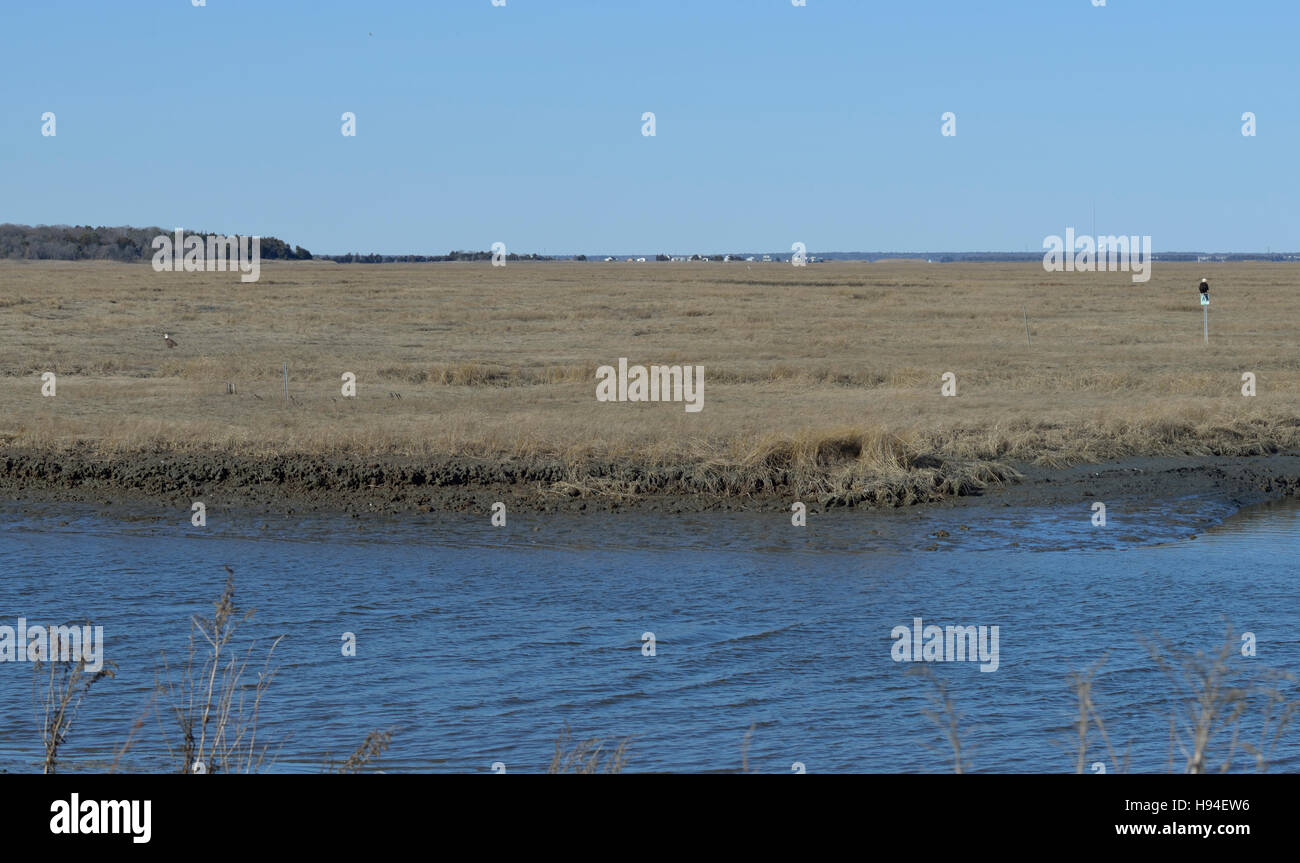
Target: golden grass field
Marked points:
825	377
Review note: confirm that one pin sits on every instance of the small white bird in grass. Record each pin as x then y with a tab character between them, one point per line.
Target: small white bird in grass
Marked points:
169	341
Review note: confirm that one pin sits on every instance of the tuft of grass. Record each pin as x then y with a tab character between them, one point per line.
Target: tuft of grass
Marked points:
584	756
375	744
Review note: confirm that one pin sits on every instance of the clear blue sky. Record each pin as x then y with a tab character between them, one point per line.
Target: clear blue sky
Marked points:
775	123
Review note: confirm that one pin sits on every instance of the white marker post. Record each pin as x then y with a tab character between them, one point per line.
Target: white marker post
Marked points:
1205	309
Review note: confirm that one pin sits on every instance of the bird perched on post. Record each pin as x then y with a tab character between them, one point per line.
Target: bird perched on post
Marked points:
169	341
1205	286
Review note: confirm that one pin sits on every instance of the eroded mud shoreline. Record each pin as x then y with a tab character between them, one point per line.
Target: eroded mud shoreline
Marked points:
320	484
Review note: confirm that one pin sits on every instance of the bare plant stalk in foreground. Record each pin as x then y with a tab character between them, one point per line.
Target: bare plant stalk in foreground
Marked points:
130	737
66	683
1081	683
1209	699
216	716
744	749
584	756
371	748
943	713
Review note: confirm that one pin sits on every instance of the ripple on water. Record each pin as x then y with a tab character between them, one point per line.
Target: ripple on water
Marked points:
480	644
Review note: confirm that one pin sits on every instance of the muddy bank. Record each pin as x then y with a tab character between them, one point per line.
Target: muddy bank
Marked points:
395	484
1236	480
311	482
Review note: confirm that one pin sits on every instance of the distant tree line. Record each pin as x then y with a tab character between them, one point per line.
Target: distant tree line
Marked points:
84	243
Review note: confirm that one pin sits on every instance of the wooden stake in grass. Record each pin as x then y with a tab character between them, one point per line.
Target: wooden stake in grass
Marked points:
1205	309
286	380
1026	312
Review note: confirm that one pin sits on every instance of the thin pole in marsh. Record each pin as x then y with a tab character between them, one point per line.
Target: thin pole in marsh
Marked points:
286	380
1026	313
1205	307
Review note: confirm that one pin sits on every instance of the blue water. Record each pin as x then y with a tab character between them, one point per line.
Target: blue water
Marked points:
478	644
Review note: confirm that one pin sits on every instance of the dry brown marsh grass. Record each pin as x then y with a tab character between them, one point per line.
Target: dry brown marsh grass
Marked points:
825	379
